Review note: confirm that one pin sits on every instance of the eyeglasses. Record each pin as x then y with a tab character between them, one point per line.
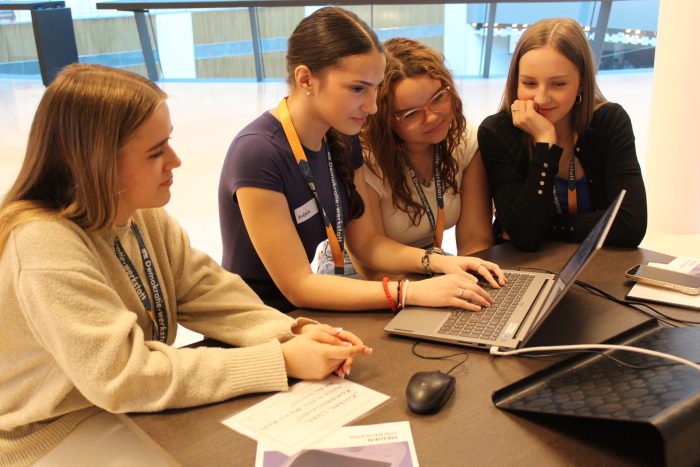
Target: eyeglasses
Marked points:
440	103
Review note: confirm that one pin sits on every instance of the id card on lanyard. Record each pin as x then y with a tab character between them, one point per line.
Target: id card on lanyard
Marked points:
159	318
336	239
439	225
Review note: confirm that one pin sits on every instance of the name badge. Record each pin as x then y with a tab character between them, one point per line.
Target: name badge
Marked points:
306	211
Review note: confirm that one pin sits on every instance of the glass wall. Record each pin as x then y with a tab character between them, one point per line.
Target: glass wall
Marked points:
216	43
630	38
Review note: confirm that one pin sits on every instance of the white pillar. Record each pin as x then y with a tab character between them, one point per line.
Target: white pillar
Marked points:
462	44
455	38
672	173
176	45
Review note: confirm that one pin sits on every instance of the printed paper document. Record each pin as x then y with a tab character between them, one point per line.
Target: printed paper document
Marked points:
382	445
310	410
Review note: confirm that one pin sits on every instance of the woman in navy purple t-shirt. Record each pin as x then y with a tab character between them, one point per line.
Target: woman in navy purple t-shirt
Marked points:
287	185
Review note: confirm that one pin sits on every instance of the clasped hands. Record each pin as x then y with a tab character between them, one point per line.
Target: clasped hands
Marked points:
318	350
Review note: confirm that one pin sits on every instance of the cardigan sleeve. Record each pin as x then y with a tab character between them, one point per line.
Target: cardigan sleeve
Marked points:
216	302
76	315
523	202
612	166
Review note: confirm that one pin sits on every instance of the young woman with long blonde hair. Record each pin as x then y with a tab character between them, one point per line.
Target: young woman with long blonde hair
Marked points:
557	153
95	277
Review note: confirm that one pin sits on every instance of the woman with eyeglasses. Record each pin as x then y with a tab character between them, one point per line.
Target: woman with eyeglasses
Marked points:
289	182
557	153
423	169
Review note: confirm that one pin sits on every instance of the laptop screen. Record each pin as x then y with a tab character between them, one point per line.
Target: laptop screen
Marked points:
592	242
583	254
576	263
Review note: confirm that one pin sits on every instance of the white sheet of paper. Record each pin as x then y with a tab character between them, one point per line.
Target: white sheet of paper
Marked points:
665	296
310	410
652	293
684	264
381	444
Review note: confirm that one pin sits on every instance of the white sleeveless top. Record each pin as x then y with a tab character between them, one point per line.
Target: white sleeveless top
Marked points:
397	224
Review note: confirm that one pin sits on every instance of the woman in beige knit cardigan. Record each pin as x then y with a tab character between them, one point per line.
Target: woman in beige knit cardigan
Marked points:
95	277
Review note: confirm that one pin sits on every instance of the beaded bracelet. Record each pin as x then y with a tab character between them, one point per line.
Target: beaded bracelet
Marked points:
385	284
404	293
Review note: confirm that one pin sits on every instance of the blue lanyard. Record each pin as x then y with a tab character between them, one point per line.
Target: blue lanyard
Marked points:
160	319
339	230
571	188
439	226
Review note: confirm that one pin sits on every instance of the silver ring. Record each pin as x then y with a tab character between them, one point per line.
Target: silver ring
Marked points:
477	268
461	291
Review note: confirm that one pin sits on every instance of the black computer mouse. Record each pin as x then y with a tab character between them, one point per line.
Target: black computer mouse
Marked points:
427	391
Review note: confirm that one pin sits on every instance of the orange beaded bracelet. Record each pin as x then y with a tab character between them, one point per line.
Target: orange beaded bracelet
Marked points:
392	305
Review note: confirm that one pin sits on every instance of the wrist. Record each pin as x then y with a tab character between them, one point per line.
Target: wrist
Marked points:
300	323
410	295
549	137
387	286
425	260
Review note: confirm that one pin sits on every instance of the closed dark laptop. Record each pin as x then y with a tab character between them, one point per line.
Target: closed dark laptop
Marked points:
519	308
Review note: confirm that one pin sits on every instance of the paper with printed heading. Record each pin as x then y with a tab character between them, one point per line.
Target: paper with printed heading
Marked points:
381	445
290	421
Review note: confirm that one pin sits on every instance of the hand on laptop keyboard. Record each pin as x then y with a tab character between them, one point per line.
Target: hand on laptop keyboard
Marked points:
449	290
470	267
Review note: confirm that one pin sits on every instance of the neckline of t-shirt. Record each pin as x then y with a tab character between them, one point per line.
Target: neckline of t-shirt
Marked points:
309	153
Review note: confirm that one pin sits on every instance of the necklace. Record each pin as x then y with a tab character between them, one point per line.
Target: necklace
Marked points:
423	180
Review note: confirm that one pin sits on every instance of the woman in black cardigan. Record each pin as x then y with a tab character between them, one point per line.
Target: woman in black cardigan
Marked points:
557	153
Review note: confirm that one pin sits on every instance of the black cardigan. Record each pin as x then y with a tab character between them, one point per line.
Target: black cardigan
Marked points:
522	187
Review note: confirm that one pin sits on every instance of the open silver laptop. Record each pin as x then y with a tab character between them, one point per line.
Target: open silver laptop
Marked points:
518	309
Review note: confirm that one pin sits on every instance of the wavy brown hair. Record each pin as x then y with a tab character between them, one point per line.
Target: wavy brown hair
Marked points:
320	41
408	58
70	167
567	37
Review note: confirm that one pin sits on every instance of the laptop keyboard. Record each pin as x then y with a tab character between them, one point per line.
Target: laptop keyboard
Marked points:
487	323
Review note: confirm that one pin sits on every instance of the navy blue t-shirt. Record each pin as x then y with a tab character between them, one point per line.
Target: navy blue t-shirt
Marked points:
261	157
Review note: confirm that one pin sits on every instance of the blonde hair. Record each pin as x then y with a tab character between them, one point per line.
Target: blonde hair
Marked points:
70	168
408	58
567	37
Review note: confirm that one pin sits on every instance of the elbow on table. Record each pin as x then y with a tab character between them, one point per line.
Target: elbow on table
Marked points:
526	244
296	295
628	238
523	240
107	401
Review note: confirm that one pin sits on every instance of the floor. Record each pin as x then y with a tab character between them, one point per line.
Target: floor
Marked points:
207	115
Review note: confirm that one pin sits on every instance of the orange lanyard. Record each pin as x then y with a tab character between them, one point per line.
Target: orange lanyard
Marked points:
335	239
